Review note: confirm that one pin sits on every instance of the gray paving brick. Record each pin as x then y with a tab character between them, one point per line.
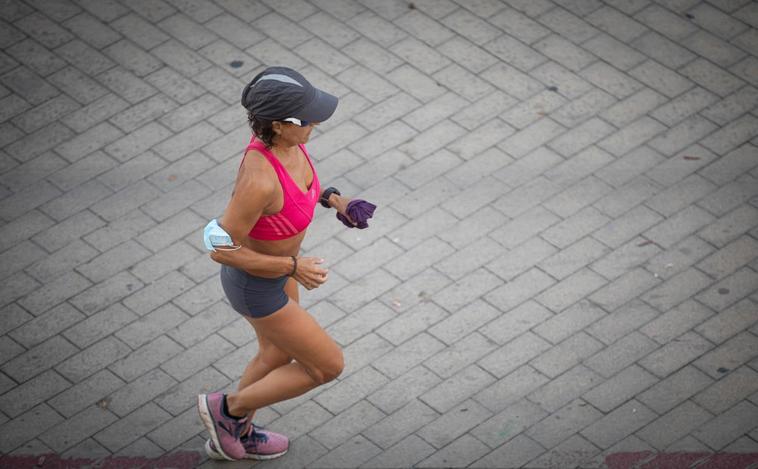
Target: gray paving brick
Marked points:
676	321
531	137
665	22
197	357
627	226
730	257
677	289
347	424
732	106
402	390
577	196
580	137
684	105
453	424
568	25
406	453
732	135
145	358
565	388
673	425
27	426
76	429
104	294
618	389
99	325
178	430
515	453
351	453
631	136
618	424
28	199
624	259
407	355
728	391
351	390
454	358
469	288
587	106
164	261
464	321
621	354
364	351
520	259
675	389
19	400
729	355
304	451
150	326
459	453
680	195
725	427
44	327
712	77
622	321
410	323
128	429
676	354
732	288
566	54
457	388
139	392
730	195
200	296
571	289
562	423
39	358
82	395
92	359
184	395
158	293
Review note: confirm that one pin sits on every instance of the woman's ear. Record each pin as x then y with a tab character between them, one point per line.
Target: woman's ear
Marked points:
276	126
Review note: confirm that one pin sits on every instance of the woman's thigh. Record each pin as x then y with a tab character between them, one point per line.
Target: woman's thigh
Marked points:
297	334
266	346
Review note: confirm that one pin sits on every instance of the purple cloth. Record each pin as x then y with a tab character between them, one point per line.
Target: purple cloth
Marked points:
360	211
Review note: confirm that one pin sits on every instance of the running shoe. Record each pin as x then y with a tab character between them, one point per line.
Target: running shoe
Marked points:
259	444
224	430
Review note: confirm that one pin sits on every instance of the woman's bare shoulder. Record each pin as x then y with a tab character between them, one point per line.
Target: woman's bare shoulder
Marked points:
256	175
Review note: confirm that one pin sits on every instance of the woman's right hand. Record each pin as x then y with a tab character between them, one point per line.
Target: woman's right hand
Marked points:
308	272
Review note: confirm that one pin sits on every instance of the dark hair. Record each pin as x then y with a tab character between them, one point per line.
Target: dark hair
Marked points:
262	128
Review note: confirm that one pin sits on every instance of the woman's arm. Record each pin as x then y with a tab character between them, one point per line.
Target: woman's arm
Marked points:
245	207
339	203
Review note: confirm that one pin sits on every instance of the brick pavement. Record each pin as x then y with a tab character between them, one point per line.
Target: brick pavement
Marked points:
563	267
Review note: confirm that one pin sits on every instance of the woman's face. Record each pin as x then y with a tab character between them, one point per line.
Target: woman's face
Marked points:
293	134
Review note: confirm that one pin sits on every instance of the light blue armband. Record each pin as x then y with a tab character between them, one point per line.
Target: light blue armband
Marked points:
214	236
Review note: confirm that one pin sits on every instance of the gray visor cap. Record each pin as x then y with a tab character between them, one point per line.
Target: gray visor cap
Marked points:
280	92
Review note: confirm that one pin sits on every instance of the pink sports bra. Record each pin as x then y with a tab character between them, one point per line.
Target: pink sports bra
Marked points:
297	212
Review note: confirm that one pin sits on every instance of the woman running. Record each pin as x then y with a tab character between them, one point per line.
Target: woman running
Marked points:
257	241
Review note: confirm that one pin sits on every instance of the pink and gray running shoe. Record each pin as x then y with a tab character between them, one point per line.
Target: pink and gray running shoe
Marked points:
225	431
259	444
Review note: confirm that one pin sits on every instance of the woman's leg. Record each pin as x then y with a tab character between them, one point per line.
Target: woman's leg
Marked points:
269	356
317	357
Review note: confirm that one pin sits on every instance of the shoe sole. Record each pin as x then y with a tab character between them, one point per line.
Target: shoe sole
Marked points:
205	416
258	457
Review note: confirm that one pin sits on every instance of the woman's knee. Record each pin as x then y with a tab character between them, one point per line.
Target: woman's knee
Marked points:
329	368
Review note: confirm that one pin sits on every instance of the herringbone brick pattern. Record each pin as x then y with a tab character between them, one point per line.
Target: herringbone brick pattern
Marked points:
564	264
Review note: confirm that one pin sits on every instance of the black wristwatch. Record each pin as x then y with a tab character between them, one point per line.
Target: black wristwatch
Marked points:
326	194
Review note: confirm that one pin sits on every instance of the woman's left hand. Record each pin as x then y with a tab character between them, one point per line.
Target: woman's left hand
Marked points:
339	203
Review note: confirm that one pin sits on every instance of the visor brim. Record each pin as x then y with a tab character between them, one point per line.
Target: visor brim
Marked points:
320	108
